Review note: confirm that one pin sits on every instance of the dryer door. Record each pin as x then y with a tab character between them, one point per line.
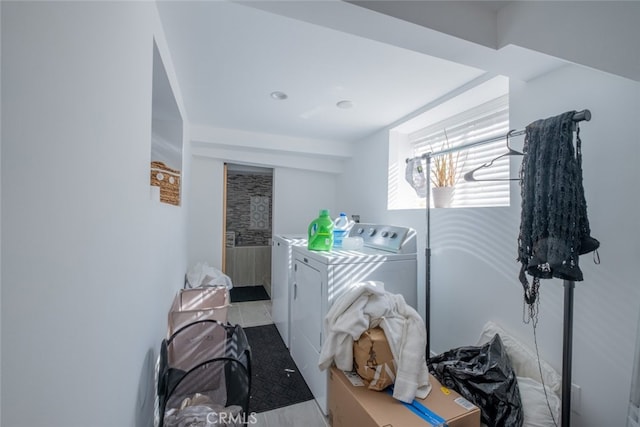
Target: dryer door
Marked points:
306	315
306	326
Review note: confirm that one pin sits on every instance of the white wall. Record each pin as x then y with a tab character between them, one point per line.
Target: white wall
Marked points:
513	39
298	197
89	262
206	214
271	150
566	30
474	273
0	212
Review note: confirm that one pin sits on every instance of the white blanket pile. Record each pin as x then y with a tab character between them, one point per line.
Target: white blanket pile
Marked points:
202	274
367	305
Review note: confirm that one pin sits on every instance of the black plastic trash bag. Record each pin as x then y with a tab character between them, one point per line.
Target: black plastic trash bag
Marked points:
484	376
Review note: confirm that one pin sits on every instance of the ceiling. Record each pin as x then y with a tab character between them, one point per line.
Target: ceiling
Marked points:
388	58
229	57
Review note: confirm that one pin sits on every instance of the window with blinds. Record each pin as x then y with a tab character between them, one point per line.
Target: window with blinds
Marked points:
486	121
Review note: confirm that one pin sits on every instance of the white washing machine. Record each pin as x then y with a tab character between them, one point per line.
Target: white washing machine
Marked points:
389	255
282	281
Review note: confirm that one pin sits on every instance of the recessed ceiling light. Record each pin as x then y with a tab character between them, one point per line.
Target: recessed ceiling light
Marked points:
280	96
344	104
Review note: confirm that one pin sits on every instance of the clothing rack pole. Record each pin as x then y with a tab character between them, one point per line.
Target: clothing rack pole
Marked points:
567	351
567	334
427	264
584	115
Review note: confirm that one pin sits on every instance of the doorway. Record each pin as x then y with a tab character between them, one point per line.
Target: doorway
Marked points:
247	223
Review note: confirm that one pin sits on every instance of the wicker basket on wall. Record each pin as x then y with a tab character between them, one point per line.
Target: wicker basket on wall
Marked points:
169	182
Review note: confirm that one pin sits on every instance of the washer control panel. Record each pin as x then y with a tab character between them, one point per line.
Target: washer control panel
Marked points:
386	237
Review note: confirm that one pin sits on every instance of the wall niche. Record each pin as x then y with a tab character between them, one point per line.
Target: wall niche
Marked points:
166	137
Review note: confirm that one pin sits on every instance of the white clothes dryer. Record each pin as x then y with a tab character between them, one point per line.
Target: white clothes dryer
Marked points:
388	255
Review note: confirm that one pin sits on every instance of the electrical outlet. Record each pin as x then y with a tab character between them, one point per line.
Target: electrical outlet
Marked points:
575	398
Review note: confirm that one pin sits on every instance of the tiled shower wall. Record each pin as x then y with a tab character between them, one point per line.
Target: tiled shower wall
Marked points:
248	250
241	188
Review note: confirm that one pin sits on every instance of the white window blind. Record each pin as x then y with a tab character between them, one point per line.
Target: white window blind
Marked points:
486	121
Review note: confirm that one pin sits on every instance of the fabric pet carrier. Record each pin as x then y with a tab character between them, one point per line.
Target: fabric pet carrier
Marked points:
204	376
202	303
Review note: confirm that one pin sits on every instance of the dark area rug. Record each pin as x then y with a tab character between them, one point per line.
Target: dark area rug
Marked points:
275	379
248	293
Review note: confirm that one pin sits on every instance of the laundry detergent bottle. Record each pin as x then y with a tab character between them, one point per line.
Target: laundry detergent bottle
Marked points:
321	232
341	227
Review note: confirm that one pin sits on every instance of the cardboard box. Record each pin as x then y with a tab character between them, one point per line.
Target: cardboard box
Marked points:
356	406
373	359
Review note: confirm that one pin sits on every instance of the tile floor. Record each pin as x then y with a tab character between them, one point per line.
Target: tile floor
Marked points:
257	313
247	314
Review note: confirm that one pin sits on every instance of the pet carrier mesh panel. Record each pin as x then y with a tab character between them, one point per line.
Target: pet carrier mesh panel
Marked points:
205	361
192	305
